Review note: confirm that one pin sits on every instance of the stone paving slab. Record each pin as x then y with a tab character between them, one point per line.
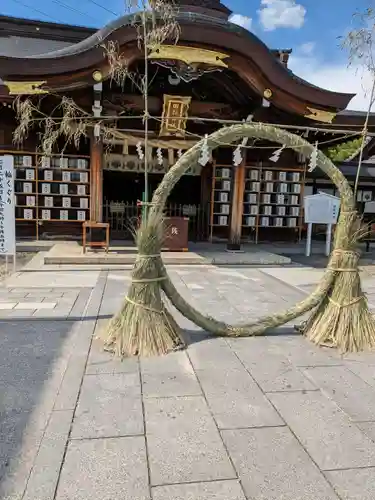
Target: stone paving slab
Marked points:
35	305
100	362
271	369
108	469
109	406
272	465
216	490
349	391
183	442
302	353
236	400
42	280
168	377
4	306
212	353
45	473
354	484
325	431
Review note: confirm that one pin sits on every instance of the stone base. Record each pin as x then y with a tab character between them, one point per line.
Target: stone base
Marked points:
234	247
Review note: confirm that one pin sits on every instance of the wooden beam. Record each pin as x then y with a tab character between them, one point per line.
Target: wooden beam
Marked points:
131	102
235	230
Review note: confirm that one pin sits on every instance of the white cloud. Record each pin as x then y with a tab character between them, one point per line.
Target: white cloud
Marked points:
281	14
334	76
241	20
307	48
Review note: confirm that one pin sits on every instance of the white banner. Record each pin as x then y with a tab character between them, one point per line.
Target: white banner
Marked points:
7	208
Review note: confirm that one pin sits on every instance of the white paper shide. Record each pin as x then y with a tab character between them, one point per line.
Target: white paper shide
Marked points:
7	209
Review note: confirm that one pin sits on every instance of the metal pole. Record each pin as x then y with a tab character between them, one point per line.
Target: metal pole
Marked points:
308	241
145	100
328	239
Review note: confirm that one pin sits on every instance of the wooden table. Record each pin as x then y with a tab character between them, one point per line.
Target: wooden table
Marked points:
95	225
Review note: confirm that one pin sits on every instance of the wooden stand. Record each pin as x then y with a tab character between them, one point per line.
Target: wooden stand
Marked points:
95	225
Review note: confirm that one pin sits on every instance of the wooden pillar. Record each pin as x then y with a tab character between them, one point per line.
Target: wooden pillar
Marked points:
234	242
96	180
96	160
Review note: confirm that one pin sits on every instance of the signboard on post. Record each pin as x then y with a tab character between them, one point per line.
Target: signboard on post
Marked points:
321	208
7	208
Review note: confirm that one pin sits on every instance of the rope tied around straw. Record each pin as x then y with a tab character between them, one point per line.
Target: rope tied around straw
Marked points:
143	306
348	304
346	252
341	251
146	280
149	280
151	256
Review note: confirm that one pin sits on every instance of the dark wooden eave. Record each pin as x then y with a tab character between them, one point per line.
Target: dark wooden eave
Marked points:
28	28
264	70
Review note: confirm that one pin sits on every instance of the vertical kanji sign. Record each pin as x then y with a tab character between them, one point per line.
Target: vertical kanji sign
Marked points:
7	210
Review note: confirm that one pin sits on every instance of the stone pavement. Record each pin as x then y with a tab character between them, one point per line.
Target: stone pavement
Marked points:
265	418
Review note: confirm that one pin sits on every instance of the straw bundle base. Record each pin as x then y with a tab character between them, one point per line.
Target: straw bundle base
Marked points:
143	326
342	319
141	330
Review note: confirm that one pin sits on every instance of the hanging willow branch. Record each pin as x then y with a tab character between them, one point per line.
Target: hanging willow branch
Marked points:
360	46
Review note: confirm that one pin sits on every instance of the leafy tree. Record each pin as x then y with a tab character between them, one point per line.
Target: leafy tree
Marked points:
342	152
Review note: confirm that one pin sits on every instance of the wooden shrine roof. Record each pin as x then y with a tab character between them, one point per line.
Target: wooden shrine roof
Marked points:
249	57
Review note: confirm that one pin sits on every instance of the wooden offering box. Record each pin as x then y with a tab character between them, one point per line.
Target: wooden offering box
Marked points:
176	233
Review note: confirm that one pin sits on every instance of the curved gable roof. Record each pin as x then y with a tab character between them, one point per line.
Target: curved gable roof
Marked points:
197	29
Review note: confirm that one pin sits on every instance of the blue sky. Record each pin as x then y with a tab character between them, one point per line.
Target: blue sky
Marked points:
310	27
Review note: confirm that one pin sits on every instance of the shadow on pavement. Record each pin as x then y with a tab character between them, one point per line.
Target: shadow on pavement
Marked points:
195	336
28	351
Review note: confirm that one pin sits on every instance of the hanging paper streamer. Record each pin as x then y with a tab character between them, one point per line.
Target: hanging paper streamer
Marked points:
237	156
276	155
237	153
140	151
125	147
313	158
171	156
159	156
179	153
97	130
205	152
306	134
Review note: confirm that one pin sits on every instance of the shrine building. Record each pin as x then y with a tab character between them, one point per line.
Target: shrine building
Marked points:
218	73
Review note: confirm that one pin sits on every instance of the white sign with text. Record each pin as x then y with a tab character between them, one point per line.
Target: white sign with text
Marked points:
321	208
7	207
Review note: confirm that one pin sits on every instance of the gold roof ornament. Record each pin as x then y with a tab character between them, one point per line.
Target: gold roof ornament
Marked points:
319	115
97	75
267	94
189	55
25	88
